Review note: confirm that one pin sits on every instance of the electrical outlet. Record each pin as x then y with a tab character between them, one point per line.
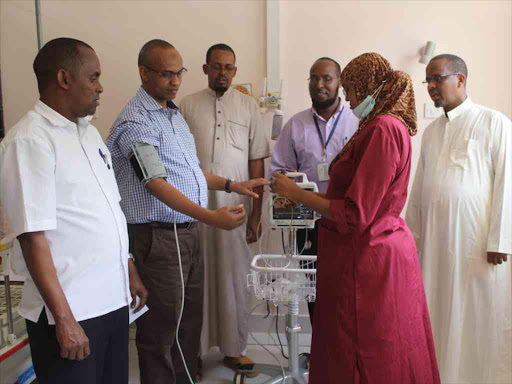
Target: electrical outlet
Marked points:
431	112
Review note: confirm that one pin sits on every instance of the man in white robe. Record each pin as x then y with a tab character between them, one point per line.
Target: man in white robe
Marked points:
232	142
460	212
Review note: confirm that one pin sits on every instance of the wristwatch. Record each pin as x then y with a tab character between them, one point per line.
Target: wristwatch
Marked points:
228	185
130	256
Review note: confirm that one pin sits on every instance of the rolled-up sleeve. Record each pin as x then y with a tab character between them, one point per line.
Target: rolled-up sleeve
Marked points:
27	185
133	132
375	173
283	155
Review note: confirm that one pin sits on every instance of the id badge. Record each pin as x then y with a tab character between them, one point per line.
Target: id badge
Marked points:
323	172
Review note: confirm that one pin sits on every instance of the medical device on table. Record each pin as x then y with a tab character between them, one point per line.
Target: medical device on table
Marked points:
6	246
293	215
288	278
15	361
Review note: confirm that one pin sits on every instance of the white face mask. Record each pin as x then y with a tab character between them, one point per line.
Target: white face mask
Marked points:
367	105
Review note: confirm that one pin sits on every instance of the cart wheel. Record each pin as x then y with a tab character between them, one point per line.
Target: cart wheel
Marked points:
239	378
304	359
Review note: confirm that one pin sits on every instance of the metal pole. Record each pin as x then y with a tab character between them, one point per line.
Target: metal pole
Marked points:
10	323
292	330
273	52
39	26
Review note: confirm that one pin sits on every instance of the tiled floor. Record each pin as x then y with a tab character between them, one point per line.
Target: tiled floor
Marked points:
214	372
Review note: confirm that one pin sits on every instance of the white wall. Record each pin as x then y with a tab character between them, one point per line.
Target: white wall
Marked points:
117	30
478	31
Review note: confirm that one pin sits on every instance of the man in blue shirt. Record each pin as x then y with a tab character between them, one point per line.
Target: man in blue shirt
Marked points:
312	138
152	206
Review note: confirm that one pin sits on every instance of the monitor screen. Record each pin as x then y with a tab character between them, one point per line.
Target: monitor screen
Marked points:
297	212
297	178
291	211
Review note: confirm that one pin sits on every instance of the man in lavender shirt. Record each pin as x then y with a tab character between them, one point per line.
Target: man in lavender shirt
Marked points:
312	138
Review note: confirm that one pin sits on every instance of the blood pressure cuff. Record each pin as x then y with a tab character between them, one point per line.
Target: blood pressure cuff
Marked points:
146	163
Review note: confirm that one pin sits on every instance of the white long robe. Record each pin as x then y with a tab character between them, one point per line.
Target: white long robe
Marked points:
228	132
461	208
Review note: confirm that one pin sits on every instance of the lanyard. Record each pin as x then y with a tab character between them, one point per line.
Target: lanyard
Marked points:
330	135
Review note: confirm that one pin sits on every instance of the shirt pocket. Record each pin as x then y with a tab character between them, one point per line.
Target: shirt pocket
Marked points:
238	135
107	179
459	155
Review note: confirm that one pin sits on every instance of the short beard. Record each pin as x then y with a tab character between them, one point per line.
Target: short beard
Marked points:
323	105
219	89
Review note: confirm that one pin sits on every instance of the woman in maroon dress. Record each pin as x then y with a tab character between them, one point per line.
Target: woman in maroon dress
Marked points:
371	318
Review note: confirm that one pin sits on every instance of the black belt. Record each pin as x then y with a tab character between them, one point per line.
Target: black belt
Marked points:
160	224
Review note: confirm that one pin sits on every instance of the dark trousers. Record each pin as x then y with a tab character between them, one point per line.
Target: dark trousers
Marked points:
310	249
156	258
107	363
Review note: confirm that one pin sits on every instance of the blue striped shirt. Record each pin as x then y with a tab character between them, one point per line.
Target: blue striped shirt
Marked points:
143	120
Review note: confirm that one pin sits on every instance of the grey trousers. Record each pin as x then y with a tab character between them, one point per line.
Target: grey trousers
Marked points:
156	258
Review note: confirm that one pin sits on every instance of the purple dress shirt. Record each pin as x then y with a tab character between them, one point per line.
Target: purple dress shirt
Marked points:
300	148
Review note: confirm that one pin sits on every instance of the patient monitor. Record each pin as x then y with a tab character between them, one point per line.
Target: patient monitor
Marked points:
293	215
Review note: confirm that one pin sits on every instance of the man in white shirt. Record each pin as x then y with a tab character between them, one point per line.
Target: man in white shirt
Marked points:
231	142
460	214
61	199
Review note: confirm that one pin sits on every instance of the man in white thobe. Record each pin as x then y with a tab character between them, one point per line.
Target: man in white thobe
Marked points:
232	142
460	214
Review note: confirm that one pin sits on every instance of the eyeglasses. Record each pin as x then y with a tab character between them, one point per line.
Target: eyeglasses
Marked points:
436	79
326	80
219	68
168	75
